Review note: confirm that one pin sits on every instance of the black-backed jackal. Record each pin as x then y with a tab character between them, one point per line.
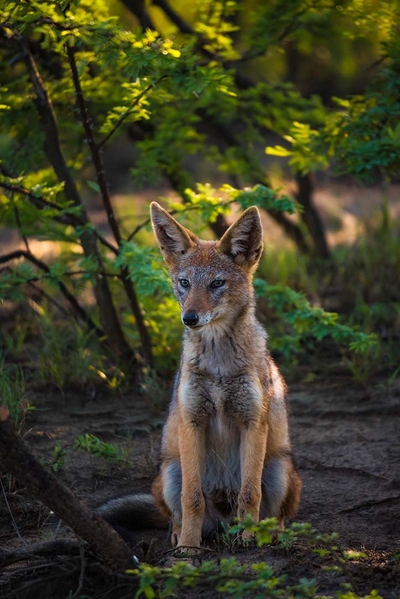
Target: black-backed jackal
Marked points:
226	447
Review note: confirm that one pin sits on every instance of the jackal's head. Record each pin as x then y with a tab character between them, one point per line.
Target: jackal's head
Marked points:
212	280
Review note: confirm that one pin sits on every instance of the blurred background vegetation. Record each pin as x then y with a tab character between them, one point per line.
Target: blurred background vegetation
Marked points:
208	107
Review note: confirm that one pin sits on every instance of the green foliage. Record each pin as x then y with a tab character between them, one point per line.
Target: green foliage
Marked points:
94	445
369	275
70	356
210	202
177	98
294	309
57	462
60	354
13	393
361	134
146	270
229	576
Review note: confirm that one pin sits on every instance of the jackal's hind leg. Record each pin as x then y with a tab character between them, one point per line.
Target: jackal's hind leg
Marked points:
292	499
281	488
167	489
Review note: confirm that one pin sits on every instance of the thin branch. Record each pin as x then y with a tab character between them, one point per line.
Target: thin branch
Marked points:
139	228
93	147
48	297
52	148
38	550
82	572
80	311
66	273
31	283
105	242
135	102
19	225
112	275
14	524
112	221
40	202
252	54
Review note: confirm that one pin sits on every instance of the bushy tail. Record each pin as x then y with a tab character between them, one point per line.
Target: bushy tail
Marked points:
132	512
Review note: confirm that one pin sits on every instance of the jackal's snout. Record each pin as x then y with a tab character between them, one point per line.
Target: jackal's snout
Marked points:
190	319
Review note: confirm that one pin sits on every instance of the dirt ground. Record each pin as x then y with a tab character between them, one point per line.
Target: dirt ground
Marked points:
347	448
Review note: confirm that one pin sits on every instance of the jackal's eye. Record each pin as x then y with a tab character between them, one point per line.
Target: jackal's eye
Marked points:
217	283
184	282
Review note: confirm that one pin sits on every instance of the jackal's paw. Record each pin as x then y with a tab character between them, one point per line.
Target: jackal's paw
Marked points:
248	537
280	528
187	551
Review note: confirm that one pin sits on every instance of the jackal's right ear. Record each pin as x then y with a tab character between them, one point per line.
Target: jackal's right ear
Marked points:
173	239
243	241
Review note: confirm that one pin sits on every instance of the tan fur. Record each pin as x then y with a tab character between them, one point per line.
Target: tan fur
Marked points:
226	447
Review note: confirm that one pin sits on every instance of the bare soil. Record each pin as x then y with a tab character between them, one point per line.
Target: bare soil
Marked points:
347	448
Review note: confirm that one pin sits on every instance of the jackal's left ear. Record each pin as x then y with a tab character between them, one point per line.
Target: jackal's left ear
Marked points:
173	239
243	241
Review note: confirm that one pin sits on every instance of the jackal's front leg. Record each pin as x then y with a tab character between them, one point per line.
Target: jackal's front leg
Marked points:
192	452
253	445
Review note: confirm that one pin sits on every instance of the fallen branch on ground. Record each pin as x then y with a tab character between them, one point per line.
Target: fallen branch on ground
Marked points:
38	550
16	458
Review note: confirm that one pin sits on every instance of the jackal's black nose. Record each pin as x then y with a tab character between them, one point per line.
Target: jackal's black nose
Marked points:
190	319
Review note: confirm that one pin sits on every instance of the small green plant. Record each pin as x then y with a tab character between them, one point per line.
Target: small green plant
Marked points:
230	577
58	457
57	461
94	445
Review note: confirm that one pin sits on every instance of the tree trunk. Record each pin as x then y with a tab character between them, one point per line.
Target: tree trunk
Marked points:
310	215
52	148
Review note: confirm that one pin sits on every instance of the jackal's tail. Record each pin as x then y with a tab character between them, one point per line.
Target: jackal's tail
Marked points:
132	512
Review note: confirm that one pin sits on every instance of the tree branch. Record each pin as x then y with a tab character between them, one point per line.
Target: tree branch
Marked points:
78	309
40	202
138	8
135	102
37	550
291	229
182	25
101	180
17	459
52	149
310	215
242	81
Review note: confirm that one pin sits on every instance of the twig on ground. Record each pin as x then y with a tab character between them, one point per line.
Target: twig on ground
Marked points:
82	572
14	524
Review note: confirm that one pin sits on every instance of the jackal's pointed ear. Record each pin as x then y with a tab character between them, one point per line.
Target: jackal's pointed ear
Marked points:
173	239
243	241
